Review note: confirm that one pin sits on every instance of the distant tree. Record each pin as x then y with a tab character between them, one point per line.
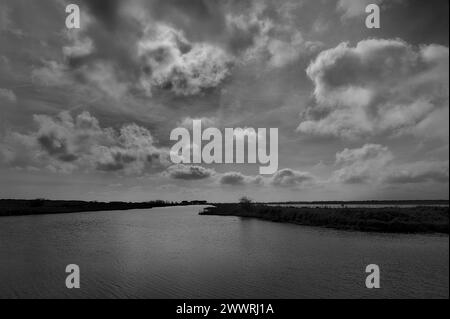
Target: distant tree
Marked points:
246	202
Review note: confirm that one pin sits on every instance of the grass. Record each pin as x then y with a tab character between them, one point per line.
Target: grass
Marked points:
389	220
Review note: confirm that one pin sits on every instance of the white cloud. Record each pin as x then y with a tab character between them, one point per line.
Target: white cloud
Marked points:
292	178
361	165
171	62
378	87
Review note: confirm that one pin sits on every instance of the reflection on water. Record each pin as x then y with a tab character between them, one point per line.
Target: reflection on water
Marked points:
174	253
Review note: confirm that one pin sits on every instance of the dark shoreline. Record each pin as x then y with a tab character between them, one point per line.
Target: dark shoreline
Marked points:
367	202
420	219
13	207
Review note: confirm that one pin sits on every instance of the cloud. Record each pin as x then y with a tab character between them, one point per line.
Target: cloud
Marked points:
154	48
189	172
239	179
79	46
271	34
51	73
80	143
172	63
375	164
286	178
7	95
419	172
361	165
379	87
121	50
103	77
354	8
291	178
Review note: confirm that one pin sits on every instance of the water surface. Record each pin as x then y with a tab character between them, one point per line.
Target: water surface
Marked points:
175	253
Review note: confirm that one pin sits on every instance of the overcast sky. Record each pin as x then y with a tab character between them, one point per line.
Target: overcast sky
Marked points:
362	114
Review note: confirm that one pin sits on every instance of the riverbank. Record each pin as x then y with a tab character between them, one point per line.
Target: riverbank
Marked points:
12	207
420	219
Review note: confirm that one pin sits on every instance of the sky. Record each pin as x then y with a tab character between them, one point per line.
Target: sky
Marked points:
362	114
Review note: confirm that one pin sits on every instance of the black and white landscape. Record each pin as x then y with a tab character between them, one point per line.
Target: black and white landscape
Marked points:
357	172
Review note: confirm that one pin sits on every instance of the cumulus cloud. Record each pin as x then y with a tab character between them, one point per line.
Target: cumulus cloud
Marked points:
378	87
239	179
362	164
157	47
66	142
286	178
189	172
121	50
292	178
171	62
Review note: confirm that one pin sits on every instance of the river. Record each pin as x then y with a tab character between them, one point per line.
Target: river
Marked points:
175	253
